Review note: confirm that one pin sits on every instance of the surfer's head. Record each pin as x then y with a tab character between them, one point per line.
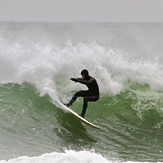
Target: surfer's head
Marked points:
84	74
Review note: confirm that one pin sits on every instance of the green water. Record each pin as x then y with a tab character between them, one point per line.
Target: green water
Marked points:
131	124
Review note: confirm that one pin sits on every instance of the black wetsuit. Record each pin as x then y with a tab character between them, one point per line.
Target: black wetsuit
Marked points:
92	94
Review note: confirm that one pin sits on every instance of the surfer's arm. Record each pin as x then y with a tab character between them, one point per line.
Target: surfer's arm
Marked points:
82	81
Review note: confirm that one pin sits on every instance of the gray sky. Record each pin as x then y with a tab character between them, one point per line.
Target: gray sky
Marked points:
82	10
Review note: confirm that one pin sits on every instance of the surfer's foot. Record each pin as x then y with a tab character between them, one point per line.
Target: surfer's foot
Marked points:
81	115
67	104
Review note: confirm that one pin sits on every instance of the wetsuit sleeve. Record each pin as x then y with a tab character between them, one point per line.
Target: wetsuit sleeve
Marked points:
82	81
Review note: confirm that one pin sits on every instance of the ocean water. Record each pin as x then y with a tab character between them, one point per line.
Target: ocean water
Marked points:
37	61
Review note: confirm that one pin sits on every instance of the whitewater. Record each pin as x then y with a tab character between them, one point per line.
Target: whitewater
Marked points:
37	61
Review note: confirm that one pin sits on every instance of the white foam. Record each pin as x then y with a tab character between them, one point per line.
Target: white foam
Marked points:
67	157
31	54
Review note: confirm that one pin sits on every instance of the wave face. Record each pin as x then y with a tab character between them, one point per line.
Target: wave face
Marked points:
36	62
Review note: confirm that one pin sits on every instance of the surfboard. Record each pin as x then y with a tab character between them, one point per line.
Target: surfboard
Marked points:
78	116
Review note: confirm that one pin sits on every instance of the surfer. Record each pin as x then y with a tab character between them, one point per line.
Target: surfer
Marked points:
92	94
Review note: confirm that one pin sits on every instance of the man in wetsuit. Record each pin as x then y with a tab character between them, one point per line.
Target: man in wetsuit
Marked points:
92	94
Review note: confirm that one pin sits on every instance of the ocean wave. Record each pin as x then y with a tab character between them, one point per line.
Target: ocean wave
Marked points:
36	62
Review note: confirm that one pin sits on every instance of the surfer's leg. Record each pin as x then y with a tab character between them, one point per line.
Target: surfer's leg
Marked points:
76	95
85	103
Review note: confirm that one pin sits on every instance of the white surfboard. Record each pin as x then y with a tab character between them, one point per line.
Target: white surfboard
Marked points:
78	116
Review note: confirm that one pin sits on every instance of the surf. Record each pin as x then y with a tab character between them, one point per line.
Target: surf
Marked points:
38	59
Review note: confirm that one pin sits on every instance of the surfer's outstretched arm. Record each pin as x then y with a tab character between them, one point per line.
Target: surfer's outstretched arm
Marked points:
82	81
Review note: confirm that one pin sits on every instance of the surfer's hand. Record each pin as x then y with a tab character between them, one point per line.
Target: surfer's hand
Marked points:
73	79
